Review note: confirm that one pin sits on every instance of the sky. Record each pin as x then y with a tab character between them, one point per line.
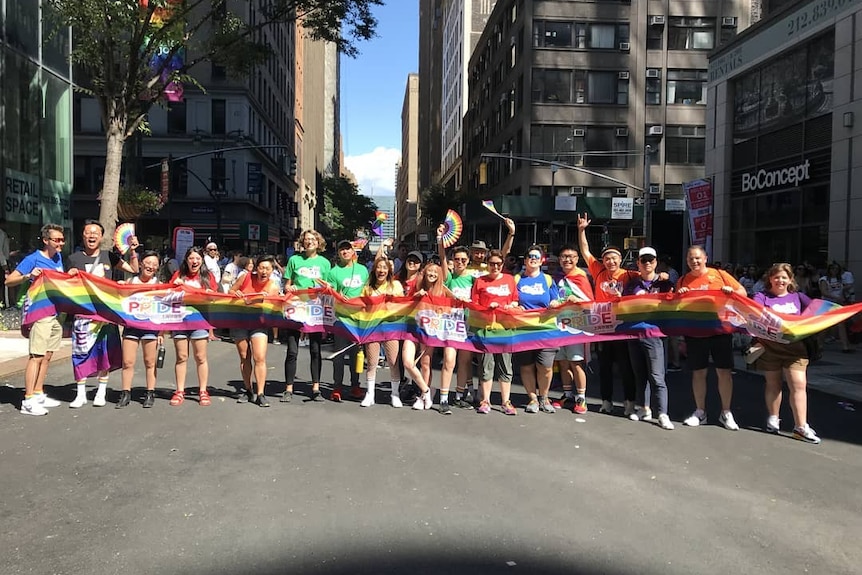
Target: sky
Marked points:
372	93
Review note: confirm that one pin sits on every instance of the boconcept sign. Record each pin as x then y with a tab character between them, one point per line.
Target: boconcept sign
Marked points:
793	176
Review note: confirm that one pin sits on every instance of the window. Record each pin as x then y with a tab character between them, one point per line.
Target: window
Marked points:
217	72
690	33
653	89
655	37
218	178
553	86
550	34
219	116
685	145
177	118
686	86
600	36
600	88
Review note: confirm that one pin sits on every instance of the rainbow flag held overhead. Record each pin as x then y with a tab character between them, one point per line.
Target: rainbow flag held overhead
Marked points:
434	321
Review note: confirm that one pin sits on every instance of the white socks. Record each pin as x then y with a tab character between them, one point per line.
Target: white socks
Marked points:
80	397
396	398
99	400
369	394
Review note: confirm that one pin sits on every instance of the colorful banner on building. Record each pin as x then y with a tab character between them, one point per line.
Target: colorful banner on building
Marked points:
698	196
437	322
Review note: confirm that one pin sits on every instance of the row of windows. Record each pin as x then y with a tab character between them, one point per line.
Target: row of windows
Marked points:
609	147
556	86
682	34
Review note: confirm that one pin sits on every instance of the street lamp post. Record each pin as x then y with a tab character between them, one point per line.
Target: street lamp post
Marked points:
647	200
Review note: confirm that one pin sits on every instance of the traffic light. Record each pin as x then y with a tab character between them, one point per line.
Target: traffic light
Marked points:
292	167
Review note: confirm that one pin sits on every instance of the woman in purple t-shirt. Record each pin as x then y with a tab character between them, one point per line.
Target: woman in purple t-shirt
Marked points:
782	296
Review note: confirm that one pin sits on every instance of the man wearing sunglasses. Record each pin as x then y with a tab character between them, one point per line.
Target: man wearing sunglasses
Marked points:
46	334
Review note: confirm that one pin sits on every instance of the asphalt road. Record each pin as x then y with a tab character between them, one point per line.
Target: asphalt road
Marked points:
335	489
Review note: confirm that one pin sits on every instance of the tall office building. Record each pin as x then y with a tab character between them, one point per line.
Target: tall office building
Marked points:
407	173
586	86
35	122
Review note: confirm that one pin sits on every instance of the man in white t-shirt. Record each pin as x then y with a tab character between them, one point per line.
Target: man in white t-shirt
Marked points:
211	261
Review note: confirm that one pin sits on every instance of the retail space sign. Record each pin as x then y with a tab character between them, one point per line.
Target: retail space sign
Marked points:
674	205
253	231
56	201
22	198
622	208
184	238
698	195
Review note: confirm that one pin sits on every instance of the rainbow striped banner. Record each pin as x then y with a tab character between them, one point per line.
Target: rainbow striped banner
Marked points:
437	322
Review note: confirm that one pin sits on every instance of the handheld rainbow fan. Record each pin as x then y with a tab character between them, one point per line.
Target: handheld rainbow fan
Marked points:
122	235
454	227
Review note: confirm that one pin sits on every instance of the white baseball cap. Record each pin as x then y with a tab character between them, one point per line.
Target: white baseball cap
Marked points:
647	251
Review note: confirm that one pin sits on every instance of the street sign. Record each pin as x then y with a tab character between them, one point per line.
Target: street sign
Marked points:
255	178
166	179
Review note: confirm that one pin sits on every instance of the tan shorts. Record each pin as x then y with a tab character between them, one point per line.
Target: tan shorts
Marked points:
778	356
45	335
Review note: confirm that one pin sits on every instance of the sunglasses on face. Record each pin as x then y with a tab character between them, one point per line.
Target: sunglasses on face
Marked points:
461	259
495	264
534	256
647	259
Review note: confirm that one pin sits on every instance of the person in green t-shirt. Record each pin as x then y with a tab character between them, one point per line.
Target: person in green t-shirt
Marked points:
347	277
303	271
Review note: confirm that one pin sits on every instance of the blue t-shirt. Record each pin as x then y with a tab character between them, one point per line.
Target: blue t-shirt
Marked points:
534	292
38	260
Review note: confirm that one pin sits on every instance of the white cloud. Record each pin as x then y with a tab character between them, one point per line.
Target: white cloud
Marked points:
375	171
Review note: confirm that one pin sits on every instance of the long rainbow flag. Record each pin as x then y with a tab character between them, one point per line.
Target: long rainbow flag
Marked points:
437	322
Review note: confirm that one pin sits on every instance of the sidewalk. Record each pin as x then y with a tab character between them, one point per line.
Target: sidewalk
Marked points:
14	356
838	373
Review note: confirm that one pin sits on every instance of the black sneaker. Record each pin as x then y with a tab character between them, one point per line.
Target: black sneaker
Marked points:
444	408
463	404
468	397
262	401
286	397
316	396
149	398
242	397
125	398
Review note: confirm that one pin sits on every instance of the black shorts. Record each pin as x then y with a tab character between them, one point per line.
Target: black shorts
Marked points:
698	350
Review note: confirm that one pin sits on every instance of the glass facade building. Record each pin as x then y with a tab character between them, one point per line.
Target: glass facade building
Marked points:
35	122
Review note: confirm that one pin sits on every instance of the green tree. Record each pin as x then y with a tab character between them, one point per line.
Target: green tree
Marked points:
116	44
346	210
436	200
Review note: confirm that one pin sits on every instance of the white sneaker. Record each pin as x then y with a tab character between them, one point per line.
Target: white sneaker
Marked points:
419	404
607	406
629	408
396	401
80	401
428	399
695	419
368	401
642	414
32	407
772	424
99	400
726	419
664	421
46	401
805	434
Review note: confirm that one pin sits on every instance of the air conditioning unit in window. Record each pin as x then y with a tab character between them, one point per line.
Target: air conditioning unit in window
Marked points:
623	75
622	132
656	20
728	22
655	189
653	73
620	192
625	46
579	132
578	190
655	130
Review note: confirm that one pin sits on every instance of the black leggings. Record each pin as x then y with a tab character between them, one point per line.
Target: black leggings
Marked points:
611	353
314	341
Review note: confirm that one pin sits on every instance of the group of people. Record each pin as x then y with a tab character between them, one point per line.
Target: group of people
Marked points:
485	277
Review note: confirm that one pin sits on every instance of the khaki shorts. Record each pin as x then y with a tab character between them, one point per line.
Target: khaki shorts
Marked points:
45	335
778	356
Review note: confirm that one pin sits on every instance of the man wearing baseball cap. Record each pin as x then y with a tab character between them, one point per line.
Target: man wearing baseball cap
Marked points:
609	279
211	261
479	251
347	277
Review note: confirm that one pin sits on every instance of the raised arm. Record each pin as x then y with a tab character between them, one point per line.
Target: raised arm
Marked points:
385	245
583	244
507	245
441	251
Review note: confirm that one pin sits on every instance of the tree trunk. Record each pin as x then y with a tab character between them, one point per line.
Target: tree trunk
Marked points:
111	183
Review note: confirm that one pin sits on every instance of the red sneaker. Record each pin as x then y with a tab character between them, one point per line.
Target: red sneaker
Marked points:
580	405
356	392
336	395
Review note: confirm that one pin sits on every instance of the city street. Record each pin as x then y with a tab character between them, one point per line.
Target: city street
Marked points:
335	489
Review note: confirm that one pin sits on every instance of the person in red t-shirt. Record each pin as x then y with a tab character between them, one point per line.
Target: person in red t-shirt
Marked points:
496	290
609	280
192	273
698	349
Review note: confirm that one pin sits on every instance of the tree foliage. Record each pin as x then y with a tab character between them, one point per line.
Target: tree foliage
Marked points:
345	210
125	52
436	200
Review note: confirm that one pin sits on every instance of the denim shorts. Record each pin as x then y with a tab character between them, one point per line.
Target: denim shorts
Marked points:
140	334
191	334
238	333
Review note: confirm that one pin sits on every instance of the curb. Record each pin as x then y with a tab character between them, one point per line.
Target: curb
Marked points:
17	365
